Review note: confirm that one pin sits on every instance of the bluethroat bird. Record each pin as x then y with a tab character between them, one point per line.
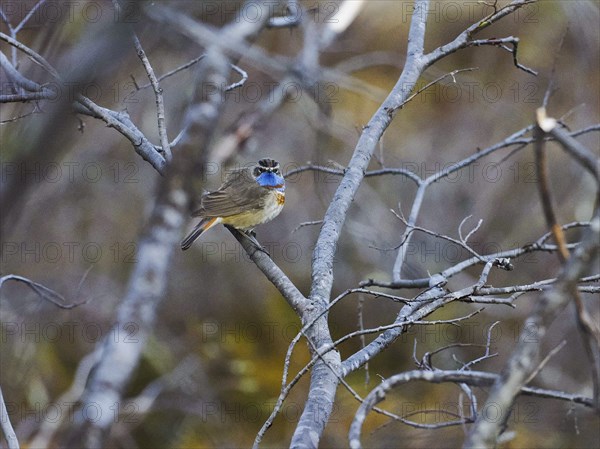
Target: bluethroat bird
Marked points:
249	196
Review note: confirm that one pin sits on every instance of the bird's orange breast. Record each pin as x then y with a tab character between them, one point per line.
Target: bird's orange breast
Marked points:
280	199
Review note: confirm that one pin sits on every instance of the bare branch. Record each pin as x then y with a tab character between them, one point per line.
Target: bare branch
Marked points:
48	428
173	72
123	124
311	167
273	273
28	16
38	59
19	117
525	358
473	378
42	291
150	275
485	356
538	245
286	387
307	223
26	97
379	329
581	154
471	232
407	235
190	63
437	80
463	40
436	298
462	243
158	94
361	327
354	173
325	379
291	19
589	330
7	428
16	76
239	83
545	194
546	360
514	41
515	139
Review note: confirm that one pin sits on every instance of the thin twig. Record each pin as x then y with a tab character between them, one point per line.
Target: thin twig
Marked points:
174	71
471	232
487	354
546	359
437	80
42	291
28	16
462	243
190	63
514	41
361	327
473	378
538	245
307	223
525	358
158	94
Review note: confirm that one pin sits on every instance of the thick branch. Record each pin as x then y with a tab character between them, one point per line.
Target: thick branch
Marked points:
322	270
16	76
150	275
323	381
135	316
123	124
273	273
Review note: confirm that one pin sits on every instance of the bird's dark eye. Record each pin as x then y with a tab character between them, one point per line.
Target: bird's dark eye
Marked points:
257	171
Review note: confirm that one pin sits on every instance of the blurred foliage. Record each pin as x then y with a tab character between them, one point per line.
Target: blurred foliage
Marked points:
87	209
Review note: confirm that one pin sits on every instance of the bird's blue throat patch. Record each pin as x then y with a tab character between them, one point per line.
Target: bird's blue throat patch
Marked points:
272	181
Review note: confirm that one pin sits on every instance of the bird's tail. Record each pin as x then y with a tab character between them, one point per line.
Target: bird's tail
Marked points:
204	224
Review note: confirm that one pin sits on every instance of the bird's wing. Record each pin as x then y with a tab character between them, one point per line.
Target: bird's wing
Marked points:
239	193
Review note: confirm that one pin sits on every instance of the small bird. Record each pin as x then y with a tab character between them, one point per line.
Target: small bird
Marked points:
249	196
